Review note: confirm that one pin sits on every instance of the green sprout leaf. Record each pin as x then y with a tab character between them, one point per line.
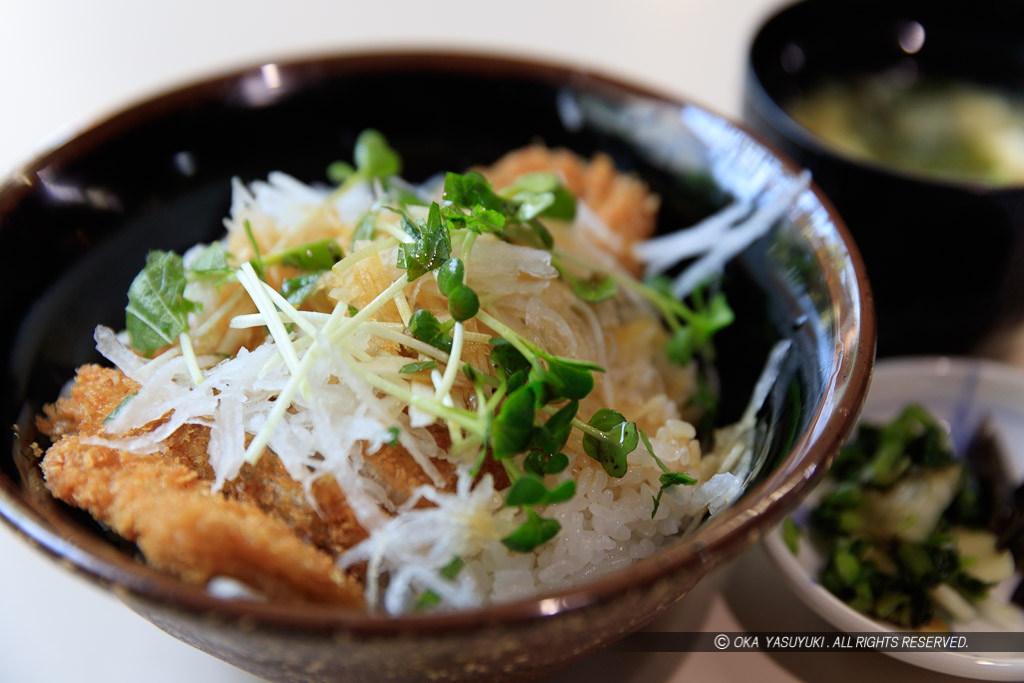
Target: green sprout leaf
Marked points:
532	234
452	569
791	534
427	600
410	368
506	359
668	478
316	256
541	194
529	489
297	289
512	428
705	322
541	463
423	325
526	490
472	190
448	572
366	228
431	245
594	289
340	171
157	310
553	434
516	217
565	377
535	531
619	438
480	220
374	157
211	261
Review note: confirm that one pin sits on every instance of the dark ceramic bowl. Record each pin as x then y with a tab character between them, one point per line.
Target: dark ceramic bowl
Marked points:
945	258
78	220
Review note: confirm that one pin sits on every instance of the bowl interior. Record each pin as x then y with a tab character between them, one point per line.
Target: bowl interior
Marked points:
78	221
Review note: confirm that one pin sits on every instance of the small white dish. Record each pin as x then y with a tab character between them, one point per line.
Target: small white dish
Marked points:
960	392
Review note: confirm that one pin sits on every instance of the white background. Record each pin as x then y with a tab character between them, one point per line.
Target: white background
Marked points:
66	63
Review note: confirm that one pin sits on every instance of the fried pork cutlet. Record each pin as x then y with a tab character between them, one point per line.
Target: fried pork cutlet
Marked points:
166	506
260	528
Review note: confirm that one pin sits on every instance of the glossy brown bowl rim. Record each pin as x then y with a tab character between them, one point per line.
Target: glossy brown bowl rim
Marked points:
769	501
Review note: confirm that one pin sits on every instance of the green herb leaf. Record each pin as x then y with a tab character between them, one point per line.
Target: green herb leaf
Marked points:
506	359
319	255
410	368
619	439
593	289
512	428
489	212
668	478
532	234
542	195
541	463
791	534
366	228
452	569
339	171
431	244
427	600
392	436
472	190
211	261
157	310
675	479
423	325
684	343
535	531
480	220
297	289
526	490
374	157
847	566
650	449
565	377
530	490
561	493
553	434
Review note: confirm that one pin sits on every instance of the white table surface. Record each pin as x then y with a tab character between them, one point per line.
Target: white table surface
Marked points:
67	63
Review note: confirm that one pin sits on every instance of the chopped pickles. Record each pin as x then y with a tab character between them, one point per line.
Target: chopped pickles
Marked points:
903	540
